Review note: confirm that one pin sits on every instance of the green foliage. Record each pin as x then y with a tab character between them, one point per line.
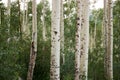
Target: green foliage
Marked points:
116	41
14	50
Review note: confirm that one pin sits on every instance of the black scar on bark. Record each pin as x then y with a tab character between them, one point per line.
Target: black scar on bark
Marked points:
55	32
78	18
32	44
78	24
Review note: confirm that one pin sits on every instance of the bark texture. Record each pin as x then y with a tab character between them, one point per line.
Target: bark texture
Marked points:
77	39
84	40
43	21
8	13
62	32
34	42
109	39
55	41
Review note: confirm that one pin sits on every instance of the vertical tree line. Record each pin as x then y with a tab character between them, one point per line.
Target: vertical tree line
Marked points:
80	14
55	41
33	51
108	26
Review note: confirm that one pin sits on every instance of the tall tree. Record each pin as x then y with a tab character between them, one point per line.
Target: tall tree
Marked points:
109	39
8	6
8	13
43	21
25	28
34	42
84	40
62	31
55	41
77	39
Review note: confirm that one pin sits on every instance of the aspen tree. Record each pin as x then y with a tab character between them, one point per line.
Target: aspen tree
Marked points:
25	28
105	33
62	31
8	13
108	38
43	21
33	43
77	39
84	40
55	41
23	18
110	41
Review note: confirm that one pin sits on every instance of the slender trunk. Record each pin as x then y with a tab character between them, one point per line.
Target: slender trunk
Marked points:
62	32
8	13
110	41
20	26
77	39
23	23
84	41
33	43
105	37
43	21
108	23
8	7
55	41
27	30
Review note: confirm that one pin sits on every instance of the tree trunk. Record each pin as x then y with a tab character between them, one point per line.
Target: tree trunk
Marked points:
84	41
9	6
62	32
20	26
55	41
33	43
77	39
23	18
8	13
43	21
109	40
105	36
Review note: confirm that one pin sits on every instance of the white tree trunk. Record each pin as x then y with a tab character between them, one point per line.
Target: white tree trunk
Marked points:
34	42
23	18
108	18
8	13
110	41
105	36
77	39
62	32
84	41
43	21
55	41
9	6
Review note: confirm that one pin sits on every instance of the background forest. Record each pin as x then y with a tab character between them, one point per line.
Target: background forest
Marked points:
15	42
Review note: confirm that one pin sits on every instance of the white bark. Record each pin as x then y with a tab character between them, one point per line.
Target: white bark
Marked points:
34	42
109	39
43	21
55	41
9	6
62	32
8	13
23	20
77	39
25	28
84	41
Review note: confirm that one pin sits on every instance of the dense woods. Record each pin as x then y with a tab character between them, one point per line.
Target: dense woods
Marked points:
65	40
